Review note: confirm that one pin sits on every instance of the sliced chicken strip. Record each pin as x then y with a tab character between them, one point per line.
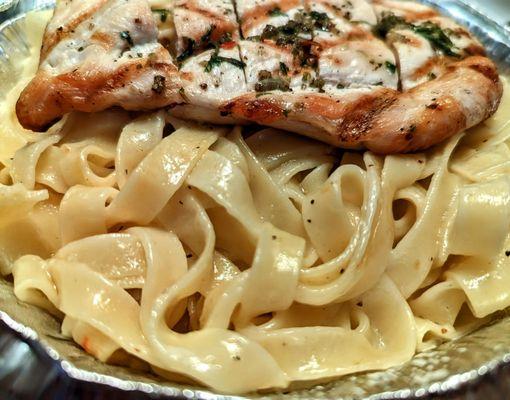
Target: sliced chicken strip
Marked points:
384	120
67	16
349	55
417	59
212	78
211	67
341	20
464	43
112	58
199	22
410	10
281	56
255	15
358	63
423	42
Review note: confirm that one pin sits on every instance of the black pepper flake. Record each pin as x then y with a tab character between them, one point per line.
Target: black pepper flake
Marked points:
80	49
312	201
189	255
159	84
507	253
432	106
342	271
236	358
181	203
359	304
203	86
309	221
274	237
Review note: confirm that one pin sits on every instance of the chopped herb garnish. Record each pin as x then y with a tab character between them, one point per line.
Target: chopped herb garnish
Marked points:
125	35
206	37
225	38
340	86
159	84
183	95
319	84
292	34
321	21
216	60
188	51
276	12
390	67
429	30
269	84
284	69
80	49
264	74
388	22
163	14
436	36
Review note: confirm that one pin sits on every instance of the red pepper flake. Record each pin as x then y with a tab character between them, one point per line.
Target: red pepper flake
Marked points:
228	45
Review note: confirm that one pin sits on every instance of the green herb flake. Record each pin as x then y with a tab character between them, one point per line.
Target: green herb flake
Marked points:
188	51
436	36
319	84
159	84
206	37
390	67
216	61
321	20
270	84
388	22
431	76
182	93
429	30
125	35
284	69
163	14
276	12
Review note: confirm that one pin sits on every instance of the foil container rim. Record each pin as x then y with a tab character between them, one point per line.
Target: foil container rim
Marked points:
496	38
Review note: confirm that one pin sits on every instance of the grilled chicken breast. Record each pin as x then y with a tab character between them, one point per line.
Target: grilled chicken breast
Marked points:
387	75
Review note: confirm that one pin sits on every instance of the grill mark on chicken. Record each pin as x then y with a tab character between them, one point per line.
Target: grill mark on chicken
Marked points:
313	67
411	11
262	13
193	21
115	62
71	16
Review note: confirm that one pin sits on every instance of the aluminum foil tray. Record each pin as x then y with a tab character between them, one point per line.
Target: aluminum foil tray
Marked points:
36	362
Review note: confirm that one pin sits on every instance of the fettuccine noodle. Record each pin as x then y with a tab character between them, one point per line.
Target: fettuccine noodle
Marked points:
246	262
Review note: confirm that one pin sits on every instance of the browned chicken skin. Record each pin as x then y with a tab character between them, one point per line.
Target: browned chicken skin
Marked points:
385	75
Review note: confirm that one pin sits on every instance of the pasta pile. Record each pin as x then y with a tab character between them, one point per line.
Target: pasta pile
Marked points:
246	261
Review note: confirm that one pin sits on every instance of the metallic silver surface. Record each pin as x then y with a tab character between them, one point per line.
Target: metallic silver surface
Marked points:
36	361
